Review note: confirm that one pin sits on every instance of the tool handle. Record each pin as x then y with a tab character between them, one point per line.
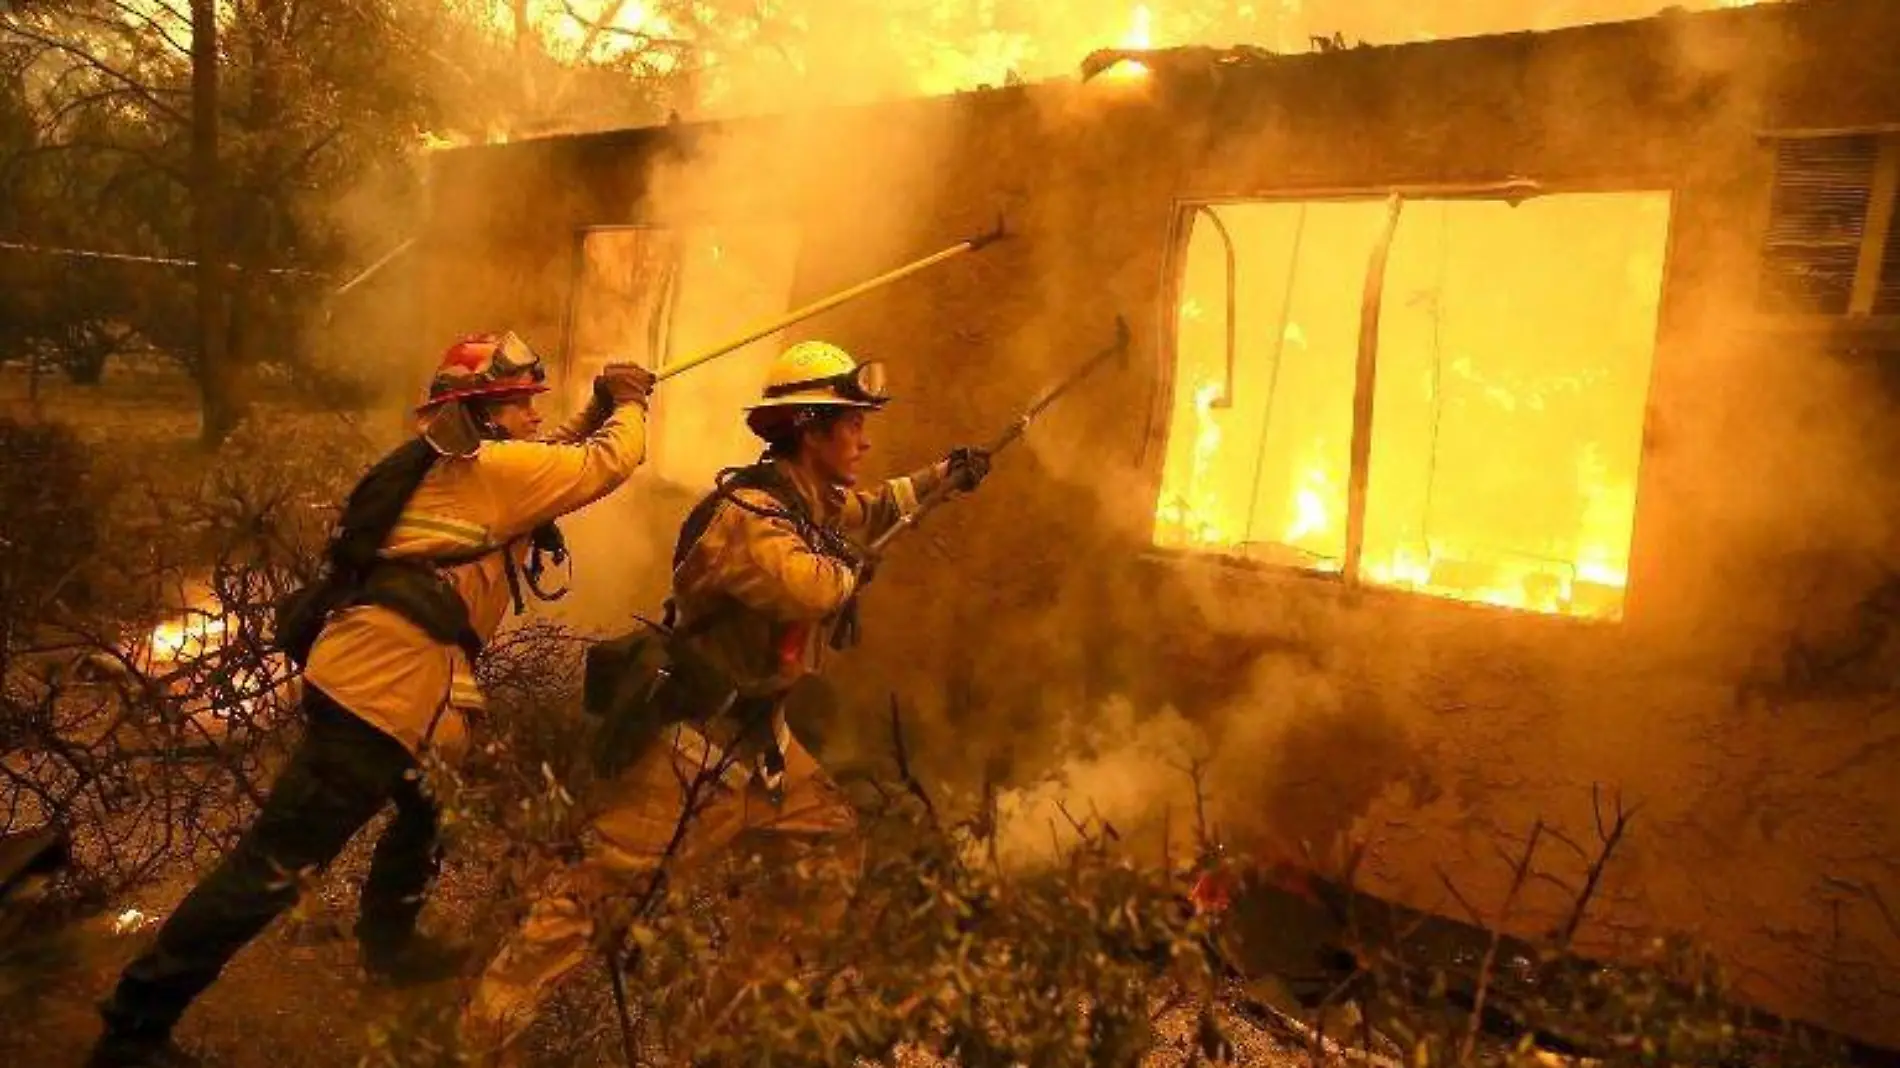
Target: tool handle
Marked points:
942	490
799	315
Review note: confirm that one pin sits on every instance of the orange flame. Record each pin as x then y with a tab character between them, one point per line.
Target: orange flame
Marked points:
1192	517
189	637
1140	37
193	656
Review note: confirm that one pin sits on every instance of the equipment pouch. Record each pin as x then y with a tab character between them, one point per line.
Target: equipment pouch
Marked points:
641	683
299	615
423	597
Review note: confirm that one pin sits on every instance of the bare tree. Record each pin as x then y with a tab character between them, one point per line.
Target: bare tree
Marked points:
223	408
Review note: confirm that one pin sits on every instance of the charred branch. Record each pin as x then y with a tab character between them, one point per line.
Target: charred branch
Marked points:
902	755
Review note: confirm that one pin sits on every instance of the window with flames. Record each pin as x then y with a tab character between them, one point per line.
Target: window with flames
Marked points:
653	295
1487	452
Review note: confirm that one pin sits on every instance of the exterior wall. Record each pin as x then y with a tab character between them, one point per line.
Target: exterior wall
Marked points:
1767	824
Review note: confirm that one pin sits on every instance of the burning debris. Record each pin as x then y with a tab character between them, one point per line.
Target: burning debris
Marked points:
202	659
196	633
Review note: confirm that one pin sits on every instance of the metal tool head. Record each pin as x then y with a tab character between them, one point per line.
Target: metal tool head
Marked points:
990	236
1122	339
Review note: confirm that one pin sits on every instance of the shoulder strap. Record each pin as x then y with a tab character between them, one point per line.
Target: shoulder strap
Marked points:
376	502
761	476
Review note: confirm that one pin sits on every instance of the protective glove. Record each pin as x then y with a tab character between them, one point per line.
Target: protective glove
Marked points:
966	467
623	383
866	569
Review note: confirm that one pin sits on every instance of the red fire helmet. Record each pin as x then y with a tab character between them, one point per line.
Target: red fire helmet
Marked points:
485	365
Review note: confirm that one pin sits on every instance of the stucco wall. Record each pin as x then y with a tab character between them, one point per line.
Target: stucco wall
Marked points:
1431	730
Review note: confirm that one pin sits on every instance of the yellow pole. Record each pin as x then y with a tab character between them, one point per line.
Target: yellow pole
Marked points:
800	315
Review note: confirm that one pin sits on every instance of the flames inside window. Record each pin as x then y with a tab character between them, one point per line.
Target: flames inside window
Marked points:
1506	421
652	296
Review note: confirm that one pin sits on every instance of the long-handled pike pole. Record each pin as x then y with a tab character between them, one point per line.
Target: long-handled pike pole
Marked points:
800	315
941	492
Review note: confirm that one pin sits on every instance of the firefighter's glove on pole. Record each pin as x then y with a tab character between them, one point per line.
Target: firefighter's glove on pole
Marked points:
621	384
967	467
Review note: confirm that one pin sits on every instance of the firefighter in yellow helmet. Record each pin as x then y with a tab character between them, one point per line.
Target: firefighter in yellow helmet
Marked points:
435	544
763	569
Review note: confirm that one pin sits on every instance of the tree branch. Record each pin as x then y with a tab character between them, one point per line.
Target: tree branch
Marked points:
182	15
181	47
1520	874
144	92
141	155
902	754
1610	838
270	183
58	116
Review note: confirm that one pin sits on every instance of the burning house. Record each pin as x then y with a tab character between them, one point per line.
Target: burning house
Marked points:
1509	423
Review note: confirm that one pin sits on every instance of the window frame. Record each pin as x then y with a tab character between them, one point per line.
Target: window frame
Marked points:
1160	428
1878	230
570	319
576	274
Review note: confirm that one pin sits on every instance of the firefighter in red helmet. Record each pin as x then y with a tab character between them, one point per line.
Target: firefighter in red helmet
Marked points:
435	545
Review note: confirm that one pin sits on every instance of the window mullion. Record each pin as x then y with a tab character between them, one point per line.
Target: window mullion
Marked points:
1363	387
1873	242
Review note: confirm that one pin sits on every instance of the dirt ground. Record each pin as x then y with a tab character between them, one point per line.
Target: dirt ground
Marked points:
296	998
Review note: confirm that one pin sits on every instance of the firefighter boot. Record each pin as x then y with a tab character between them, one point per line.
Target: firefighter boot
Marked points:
120	1049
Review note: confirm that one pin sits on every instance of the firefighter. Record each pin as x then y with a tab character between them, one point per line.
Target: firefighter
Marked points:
381	688
764	568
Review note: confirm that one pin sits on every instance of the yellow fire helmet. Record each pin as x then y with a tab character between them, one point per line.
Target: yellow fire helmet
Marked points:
812	375
818	374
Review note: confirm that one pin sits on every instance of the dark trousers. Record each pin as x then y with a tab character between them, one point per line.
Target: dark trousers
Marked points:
341	776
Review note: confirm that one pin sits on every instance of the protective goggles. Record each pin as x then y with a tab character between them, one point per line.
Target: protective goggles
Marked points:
512	358
863	383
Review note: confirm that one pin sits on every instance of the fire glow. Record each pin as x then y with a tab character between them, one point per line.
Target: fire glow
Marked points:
1508	407
1140	38
198	658
189	637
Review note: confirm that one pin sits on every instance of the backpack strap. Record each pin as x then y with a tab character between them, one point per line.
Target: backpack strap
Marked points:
547	544
412	587
418	593
762	476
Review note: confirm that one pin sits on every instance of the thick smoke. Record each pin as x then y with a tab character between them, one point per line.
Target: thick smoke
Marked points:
1431	731
1740	708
